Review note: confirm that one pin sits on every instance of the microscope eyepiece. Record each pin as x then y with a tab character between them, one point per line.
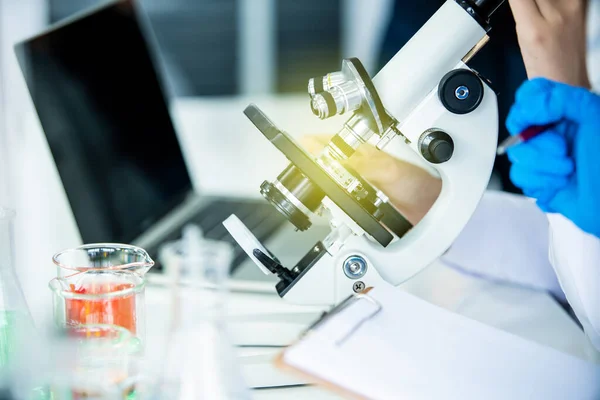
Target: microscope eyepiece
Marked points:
481	10
487	7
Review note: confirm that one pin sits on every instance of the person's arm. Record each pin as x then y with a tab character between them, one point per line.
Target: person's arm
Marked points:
411	189
552	37
559	168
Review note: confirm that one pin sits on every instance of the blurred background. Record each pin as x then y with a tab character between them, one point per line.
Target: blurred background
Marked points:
214	57
230	47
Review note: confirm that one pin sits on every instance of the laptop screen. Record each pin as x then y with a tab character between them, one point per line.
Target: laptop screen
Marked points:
106	121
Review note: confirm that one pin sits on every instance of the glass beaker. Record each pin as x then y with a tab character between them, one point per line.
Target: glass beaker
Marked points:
100	296
103	256
101	283
197	259
95	362
200	362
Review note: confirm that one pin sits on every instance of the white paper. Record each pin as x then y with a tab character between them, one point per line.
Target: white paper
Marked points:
415	350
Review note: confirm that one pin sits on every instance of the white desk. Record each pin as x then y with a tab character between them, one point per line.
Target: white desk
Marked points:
532	315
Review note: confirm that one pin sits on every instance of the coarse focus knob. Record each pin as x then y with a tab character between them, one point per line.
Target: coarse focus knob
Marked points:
436	146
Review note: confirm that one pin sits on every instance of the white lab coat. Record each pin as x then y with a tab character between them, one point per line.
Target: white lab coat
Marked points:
510	239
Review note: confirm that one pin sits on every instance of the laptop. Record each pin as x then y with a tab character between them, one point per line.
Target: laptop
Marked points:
102	107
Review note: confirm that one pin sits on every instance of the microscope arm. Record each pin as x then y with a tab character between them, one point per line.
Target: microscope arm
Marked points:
408	87
426	102
464	180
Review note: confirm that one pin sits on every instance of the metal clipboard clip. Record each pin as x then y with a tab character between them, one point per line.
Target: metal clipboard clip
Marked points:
355	326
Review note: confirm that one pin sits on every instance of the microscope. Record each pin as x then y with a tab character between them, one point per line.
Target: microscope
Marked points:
426	98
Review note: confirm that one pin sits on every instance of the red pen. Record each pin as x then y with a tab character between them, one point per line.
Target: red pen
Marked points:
524	136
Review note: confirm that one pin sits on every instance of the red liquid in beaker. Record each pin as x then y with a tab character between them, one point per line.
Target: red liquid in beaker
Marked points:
118	310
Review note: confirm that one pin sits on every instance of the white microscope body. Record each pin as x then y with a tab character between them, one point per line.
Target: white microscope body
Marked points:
425	98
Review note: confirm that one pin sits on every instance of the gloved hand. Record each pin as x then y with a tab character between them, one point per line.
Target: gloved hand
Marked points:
561	167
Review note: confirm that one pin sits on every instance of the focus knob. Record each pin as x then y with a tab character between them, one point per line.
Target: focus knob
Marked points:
436	146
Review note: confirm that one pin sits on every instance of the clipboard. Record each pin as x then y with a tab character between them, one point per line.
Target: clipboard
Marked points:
348	302
485	363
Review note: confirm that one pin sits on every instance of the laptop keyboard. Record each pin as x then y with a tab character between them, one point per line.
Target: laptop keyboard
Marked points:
260	217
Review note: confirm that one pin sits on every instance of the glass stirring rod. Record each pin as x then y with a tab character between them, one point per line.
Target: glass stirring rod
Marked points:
524	136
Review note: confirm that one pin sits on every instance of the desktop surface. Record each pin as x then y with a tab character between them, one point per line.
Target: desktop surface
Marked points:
259	319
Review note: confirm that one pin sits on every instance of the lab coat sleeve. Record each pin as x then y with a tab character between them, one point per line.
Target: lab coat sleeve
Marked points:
506	240
575	256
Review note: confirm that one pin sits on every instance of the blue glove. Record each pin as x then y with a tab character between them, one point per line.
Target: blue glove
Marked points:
561	167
